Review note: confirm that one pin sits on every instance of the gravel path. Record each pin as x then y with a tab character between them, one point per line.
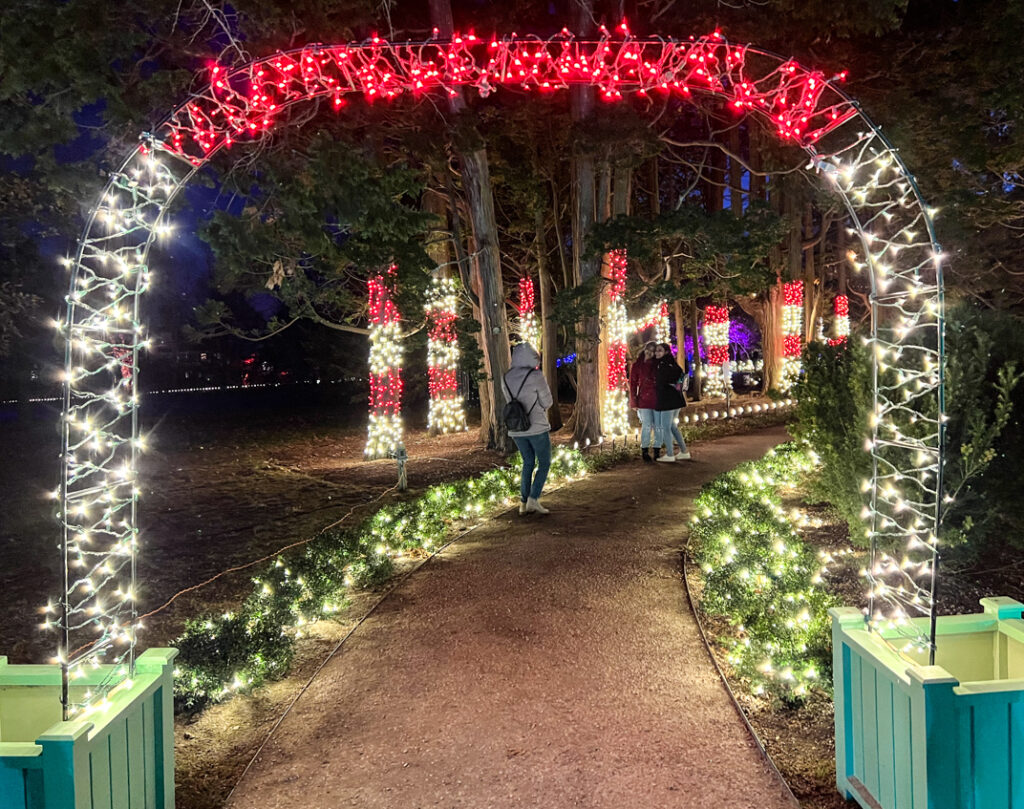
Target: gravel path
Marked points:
540	662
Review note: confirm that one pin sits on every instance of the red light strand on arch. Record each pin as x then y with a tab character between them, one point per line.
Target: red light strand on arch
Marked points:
241	103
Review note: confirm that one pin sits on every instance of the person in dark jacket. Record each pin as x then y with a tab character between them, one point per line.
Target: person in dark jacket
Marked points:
527	384
669	394
643	398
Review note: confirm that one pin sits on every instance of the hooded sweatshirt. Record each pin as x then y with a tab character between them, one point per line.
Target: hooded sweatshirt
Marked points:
535	395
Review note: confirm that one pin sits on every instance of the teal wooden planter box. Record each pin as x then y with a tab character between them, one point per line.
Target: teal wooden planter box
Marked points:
119	757
947	736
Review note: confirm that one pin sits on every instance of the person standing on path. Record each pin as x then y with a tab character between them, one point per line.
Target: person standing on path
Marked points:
669	393
526	384
643	398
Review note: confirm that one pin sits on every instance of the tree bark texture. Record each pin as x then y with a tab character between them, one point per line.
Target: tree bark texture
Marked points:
696	390
587	413
494	323
548	328
476	180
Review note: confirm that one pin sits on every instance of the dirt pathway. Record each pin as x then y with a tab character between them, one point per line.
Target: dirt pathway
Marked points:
540	662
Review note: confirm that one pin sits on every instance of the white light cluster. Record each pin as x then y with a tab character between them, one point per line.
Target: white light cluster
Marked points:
446	414
899	249
103	334
529	329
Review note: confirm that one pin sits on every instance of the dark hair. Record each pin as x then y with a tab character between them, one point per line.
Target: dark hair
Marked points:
667	347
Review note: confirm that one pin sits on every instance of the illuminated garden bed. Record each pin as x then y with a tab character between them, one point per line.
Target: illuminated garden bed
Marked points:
914	735
120	753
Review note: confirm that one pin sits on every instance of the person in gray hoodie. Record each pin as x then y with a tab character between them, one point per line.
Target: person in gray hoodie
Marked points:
527	384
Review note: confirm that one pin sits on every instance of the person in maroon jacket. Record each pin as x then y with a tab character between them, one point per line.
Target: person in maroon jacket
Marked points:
643	397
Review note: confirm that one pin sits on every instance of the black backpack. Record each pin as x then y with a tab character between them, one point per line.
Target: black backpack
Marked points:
515	416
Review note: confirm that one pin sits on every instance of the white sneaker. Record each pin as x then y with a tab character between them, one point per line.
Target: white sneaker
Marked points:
683	456
534	507
522	508
666	458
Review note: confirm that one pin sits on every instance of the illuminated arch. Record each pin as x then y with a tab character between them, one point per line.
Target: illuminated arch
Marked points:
99	491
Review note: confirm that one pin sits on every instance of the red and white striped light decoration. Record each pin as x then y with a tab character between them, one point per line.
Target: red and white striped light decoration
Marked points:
615	418
716	338
446	414
656	316
840	320
529	328
792	330
384	434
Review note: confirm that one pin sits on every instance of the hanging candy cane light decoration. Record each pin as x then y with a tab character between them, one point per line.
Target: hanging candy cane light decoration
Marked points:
840	320
98	494
615	418
716	338
792	330
384	434
528	327
656	317
446	414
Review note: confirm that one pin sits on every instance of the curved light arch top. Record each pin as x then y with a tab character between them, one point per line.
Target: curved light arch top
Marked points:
238	105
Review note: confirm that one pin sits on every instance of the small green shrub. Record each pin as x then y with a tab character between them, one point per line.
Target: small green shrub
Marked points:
833	406
762	578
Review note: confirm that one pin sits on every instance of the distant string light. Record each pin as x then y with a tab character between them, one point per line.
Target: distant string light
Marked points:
716	338
528	327
840	320
384	434
792	332
615	419
446	414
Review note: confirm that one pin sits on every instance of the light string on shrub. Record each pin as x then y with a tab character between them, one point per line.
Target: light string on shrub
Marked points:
615	419
528	327
446	413
235	651
384	433
840	320
242	103
716	338
761	577
792	332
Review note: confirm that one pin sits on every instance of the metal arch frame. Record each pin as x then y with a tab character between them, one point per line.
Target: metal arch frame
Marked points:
242	103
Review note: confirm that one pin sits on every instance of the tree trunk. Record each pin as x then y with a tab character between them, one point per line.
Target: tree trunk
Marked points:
698	371
604	201
548	328
477	181
736	171
493	321
812	290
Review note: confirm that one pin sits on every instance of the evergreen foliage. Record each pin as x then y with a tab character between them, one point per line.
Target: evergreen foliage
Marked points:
833	406
760	576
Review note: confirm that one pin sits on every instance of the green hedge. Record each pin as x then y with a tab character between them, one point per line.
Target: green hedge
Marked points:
219	655
761	577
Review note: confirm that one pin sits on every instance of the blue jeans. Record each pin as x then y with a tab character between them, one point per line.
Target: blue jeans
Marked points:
647	429
536	451
666	427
